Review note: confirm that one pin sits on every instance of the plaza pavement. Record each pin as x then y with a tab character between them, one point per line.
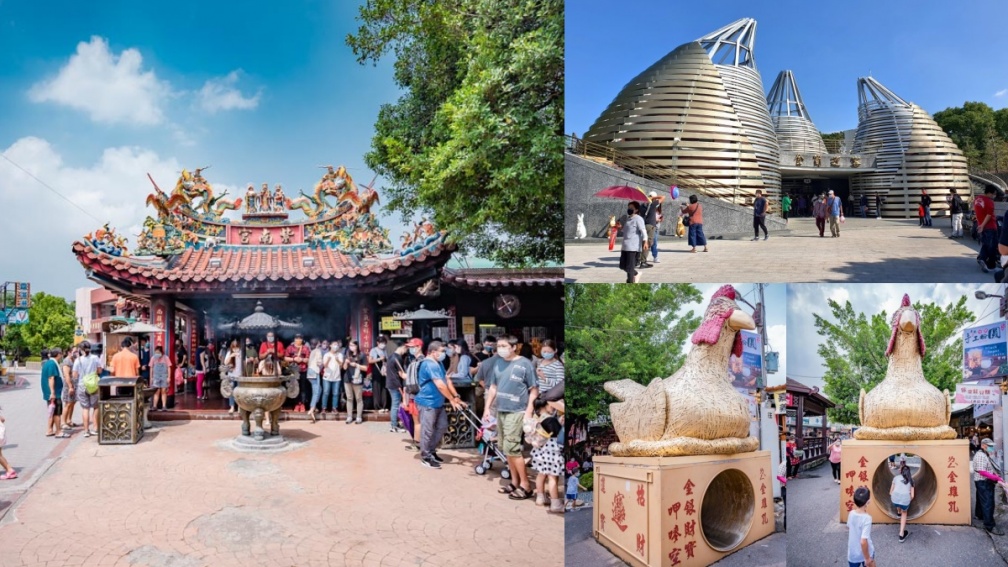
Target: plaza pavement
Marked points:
868	250
352	495
817	538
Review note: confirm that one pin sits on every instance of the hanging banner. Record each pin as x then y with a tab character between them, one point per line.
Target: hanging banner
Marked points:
983	394
780	402
747	371
985	351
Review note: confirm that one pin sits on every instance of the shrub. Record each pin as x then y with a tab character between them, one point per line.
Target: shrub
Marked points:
587	480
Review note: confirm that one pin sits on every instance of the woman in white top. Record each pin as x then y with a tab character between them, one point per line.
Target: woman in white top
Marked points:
902	492
233	363
332	364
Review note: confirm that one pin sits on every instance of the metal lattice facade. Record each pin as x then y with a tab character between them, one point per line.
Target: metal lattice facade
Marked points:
791	121
912	153
689	114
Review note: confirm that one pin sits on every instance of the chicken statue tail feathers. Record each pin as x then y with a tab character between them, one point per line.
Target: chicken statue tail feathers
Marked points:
641	415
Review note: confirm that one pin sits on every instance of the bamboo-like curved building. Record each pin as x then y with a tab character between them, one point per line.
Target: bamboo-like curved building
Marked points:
700	110
912	153
791	121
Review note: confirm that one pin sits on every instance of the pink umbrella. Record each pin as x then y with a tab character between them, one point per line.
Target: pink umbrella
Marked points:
624	193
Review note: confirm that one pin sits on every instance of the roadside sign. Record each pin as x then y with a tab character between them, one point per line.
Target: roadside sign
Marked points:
17	317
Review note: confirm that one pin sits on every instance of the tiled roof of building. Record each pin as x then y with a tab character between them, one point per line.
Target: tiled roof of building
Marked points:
258	267
489	279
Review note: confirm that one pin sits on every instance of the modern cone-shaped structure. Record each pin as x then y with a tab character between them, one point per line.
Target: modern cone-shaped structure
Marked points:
912	153
795	130
700	110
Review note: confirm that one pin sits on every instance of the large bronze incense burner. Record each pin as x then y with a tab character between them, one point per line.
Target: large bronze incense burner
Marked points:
260	395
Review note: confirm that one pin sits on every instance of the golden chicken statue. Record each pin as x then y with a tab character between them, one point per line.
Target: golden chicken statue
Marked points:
904	406
696	411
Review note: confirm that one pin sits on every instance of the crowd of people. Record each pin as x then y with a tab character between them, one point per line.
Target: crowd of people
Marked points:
519	395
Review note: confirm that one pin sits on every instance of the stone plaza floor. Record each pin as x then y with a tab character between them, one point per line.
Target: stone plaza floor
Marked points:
353	495
868	250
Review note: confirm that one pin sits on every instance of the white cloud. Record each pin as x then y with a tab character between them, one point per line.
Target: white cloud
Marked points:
113	189
1001	92
221	94
111	88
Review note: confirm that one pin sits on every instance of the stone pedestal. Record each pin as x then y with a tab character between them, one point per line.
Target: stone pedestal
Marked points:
942	484
653	511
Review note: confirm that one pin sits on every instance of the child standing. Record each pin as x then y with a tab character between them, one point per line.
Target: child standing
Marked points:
573	485
920	213
901	493
860	549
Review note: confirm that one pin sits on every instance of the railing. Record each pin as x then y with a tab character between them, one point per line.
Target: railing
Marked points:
990	177
642	167
815	448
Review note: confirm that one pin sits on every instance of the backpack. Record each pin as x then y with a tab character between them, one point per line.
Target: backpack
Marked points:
91	382
412	381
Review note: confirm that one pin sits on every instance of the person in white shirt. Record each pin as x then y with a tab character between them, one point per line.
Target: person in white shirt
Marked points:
332	376
314	374
86	364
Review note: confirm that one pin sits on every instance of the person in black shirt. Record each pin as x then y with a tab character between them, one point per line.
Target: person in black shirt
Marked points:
956	207
395	370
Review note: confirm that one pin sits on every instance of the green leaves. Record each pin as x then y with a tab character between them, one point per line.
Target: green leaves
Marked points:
476	140
622	331
854	350
51	323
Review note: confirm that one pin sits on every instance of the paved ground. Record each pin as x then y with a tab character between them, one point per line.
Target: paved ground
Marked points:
868	250
582	549
351	495
817	538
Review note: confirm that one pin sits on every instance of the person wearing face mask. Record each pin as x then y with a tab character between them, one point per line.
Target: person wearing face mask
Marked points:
297	354
550	371
985	487
514	386
634	240
332	377
315	376
460	361
271	345
377	359
354	367
86	364
395	372
430	400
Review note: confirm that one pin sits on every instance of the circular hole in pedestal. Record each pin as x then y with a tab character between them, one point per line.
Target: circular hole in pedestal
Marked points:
727	510
924	479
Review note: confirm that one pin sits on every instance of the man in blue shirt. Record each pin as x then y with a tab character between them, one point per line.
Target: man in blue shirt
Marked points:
52	392
835	212
431	400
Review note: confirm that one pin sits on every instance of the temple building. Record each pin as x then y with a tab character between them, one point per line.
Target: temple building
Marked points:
334	270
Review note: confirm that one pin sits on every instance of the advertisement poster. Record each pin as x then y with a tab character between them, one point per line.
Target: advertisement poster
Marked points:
747	371
980	394
985	352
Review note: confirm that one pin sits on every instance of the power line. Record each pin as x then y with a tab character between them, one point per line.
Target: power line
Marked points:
47	186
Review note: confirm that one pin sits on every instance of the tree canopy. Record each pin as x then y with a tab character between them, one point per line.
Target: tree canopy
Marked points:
980	132
51	323
855	344
622	331
476	139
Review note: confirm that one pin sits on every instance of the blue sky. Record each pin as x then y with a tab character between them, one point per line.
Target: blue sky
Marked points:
804	300
936	54
95	95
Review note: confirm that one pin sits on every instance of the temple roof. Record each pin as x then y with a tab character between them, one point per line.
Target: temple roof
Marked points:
491	279
225	267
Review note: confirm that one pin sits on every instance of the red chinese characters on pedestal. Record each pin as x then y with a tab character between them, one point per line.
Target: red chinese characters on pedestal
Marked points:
688	487
603	485
688	508
640	544
674	509
690	546
674	556
640	494
619	512
953	489
674	534
601	522
689	528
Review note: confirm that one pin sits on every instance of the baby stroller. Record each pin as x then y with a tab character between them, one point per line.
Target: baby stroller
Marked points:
486	434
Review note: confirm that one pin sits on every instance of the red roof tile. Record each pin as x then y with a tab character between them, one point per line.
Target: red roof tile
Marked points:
245	265
490	279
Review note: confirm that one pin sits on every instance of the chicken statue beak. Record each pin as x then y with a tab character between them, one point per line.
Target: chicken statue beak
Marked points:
740	320
908	321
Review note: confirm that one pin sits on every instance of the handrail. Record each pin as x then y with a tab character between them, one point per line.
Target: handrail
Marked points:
648	169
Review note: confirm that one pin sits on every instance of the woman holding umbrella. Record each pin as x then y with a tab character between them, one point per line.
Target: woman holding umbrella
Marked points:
634	240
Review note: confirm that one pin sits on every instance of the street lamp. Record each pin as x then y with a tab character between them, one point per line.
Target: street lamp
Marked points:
980	294
1003	307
